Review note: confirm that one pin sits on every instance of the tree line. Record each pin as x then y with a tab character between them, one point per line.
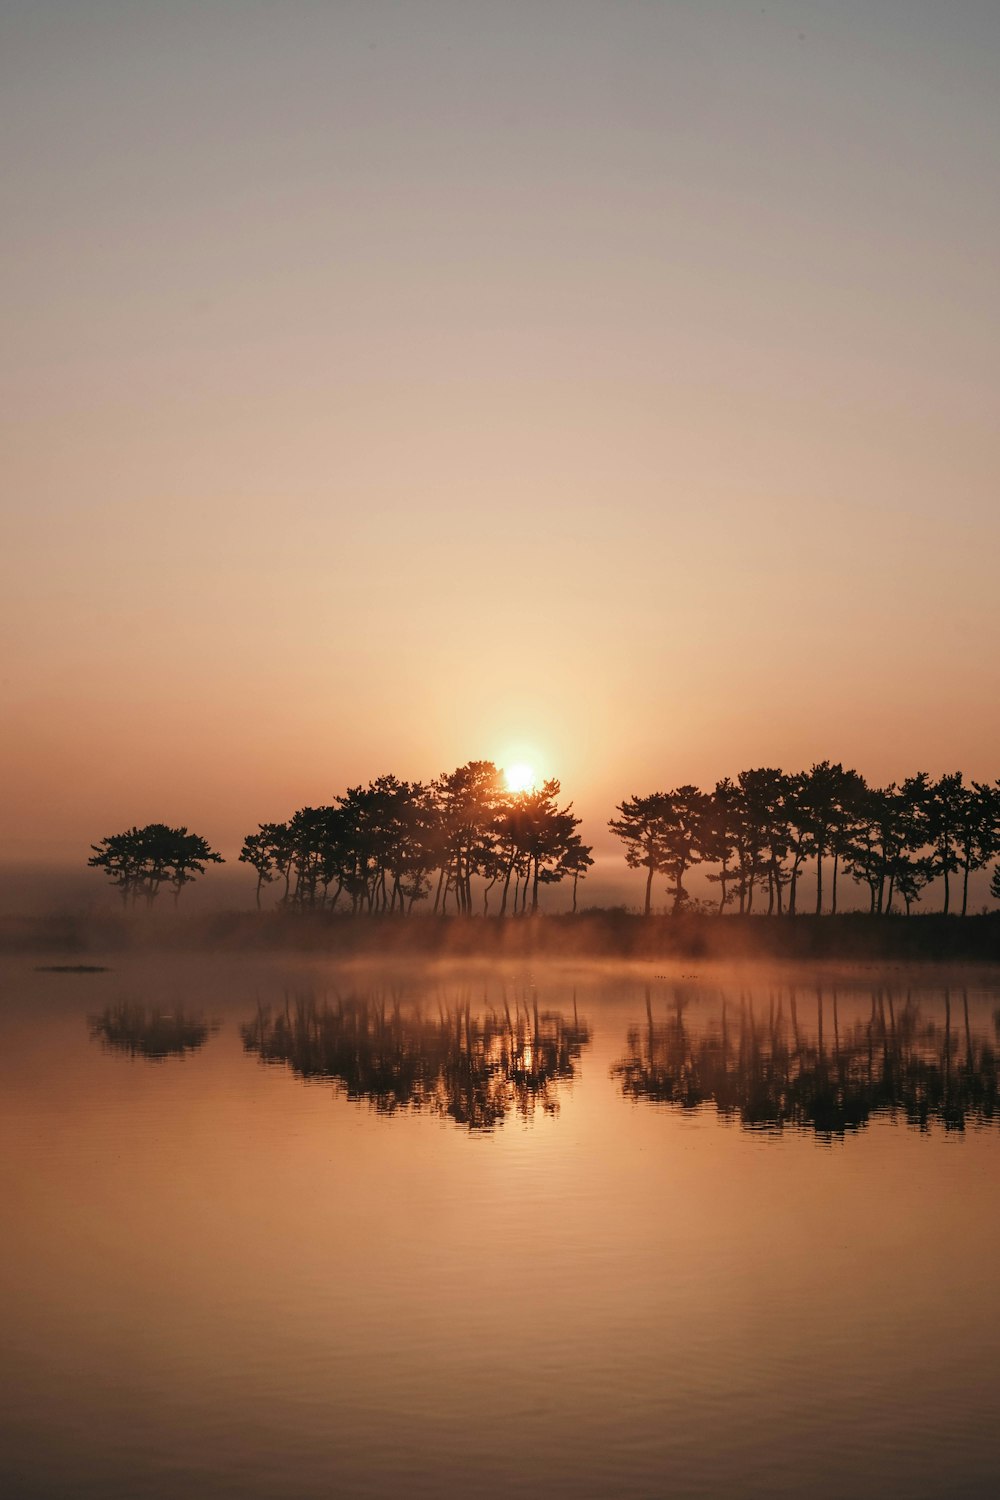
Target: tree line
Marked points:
382	848
757	832
385	847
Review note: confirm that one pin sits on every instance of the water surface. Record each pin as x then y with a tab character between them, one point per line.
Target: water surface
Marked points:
291	1230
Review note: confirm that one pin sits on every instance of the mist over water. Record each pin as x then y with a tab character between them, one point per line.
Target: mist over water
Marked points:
290	1227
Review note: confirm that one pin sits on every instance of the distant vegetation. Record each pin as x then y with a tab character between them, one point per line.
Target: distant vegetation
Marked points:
142	860
467	843
386	846
759	831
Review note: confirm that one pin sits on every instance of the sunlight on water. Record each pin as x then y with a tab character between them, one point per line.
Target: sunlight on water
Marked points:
305	1232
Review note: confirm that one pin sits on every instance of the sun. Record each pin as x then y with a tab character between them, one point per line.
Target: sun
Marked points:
519	777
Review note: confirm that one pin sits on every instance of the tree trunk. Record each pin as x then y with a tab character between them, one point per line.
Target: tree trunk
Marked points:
965	888
649	892
819	882
506	888
679	892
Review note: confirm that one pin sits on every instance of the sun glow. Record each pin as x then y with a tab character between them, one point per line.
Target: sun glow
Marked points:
519	777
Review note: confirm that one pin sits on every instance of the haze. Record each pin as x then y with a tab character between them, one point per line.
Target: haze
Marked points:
605	387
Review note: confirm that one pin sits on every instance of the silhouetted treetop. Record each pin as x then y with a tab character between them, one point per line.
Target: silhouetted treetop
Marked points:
141	860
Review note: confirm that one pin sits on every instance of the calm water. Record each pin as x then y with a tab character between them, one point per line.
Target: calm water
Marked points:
278	1231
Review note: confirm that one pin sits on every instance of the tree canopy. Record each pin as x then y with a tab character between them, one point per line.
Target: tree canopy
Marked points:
140	861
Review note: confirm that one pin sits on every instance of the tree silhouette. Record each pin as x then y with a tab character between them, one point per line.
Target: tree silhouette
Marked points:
575	860
141	860
943	805
257	851
379	847
719	838
824	798
978	833
468	800
640	829
547	839
760	803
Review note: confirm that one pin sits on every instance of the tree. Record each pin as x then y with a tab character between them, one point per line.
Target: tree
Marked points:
141	860
120	856
760	806
547	839
666	833
823	798
640	829
258	851
188	858
467	802
685	829
848	811
978	834
719	838
576	860
944	807
911	875
800	838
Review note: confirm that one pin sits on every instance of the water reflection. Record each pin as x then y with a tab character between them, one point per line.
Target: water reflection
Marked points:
475	1067
903	1059
141	1031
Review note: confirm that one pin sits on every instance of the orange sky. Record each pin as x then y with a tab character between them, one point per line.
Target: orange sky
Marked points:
610	387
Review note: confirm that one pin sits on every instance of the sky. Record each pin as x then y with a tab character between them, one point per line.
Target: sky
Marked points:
605	386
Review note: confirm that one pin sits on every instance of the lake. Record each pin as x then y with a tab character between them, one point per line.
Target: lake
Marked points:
283	1229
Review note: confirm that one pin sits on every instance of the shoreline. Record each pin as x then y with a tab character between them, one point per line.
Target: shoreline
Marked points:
598	935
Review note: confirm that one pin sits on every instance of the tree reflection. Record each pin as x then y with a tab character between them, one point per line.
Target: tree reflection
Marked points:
149	1032
772	1072
475	1067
